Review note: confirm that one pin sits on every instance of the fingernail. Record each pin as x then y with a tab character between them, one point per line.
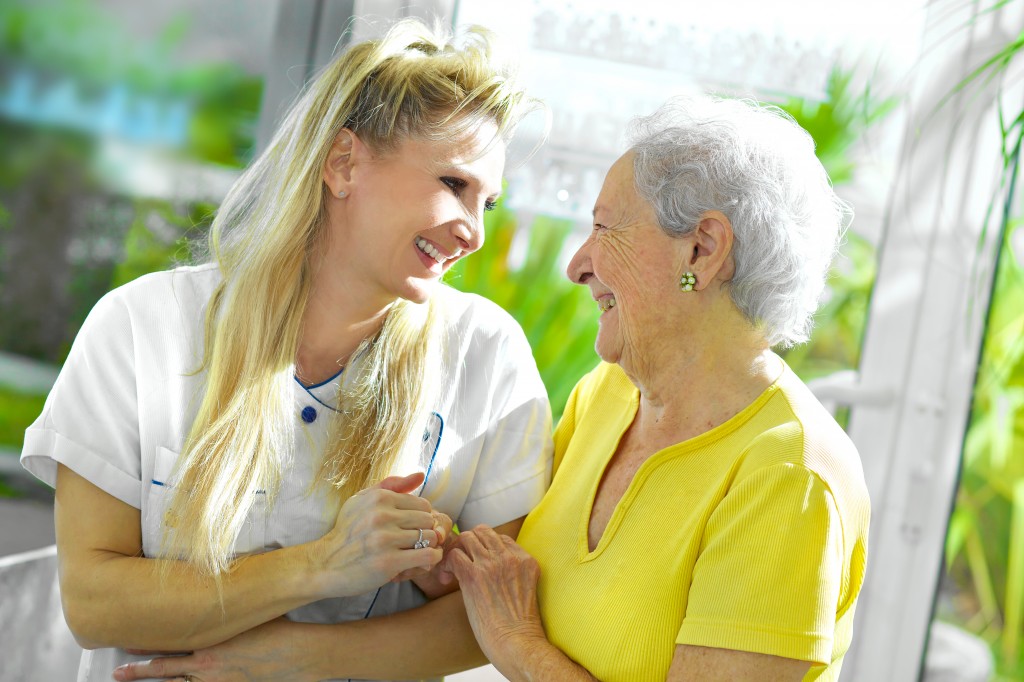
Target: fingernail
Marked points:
120	672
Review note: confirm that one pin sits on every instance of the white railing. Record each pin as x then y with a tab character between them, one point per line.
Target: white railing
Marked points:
34	639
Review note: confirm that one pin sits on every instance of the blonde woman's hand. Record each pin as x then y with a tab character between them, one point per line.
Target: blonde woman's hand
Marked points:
436	582
498	579
272	651
373	540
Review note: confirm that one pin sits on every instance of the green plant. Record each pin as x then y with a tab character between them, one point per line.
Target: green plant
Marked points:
839	324
147	251
558	317
17	411
836	123
839	121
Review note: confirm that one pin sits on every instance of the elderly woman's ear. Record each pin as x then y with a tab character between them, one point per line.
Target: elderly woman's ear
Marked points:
711	258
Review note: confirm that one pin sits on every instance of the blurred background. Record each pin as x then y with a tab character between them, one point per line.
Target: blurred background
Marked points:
122	125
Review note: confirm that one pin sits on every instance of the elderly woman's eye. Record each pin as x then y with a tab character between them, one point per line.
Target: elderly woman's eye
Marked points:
490	204
456	185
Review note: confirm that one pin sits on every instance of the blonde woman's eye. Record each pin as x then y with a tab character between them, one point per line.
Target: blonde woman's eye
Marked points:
456	185
490	204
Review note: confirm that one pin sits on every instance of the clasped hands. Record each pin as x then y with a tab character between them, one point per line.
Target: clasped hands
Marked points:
372	543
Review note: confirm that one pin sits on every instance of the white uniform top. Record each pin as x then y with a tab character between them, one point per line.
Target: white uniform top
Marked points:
125	399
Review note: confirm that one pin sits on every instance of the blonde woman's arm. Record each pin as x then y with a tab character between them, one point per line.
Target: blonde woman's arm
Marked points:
114	597
432	640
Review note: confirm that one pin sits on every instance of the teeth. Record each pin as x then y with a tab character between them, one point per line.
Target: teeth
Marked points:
428	248
606	304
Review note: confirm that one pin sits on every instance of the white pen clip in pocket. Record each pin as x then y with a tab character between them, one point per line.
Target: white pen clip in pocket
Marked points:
429	445
154	504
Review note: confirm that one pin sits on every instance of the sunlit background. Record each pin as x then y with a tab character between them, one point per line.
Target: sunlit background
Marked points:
123	124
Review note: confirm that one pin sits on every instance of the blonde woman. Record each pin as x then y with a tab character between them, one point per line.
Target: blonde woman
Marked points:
313	389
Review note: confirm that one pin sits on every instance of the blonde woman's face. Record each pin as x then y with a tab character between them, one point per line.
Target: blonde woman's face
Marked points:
411	213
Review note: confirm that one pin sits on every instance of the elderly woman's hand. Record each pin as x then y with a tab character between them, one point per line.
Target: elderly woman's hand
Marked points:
499	587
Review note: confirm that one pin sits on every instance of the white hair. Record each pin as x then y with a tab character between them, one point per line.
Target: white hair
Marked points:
757	166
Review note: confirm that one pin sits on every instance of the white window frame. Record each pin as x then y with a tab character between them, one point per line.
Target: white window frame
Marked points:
911	401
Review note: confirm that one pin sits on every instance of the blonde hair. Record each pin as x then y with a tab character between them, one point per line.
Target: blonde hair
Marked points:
413	82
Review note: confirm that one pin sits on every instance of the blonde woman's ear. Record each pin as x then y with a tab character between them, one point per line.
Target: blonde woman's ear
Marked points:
337	171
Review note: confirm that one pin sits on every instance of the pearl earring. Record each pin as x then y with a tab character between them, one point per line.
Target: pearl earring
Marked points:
342	194
687	281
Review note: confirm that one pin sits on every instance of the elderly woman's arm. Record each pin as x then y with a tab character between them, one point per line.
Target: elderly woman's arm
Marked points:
499	586
112	596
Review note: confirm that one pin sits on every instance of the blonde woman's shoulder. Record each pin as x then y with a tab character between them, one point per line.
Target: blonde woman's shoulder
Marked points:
475	314
186	287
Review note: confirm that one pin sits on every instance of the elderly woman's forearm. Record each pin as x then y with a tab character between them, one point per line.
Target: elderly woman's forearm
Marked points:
545	661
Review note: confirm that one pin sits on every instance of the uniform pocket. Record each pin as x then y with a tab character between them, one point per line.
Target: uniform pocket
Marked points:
154	506
251	537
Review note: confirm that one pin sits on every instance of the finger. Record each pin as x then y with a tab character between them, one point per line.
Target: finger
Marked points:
402	484
459	564
404	501
423	534
163	667
469	543
409	519
442	526
407	560
489	538
153	652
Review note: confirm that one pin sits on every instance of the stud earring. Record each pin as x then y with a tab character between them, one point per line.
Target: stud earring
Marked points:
342	194
687	281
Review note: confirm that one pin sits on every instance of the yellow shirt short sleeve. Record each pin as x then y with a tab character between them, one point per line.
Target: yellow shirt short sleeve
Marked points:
768	575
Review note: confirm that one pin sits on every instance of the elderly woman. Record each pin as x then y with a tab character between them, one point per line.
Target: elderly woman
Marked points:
708	518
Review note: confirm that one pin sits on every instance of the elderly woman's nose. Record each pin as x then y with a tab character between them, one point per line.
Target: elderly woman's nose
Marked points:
579	269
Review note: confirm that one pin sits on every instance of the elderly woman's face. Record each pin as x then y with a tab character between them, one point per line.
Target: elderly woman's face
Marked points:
632	268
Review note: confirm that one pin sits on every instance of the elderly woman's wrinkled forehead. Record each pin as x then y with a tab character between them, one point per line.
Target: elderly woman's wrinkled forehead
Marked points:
619	200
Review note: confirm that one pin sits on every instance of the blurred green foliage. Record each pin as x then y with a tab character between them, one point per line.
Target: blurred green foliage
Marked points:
67	234
87	45
558	317
18	410
840	120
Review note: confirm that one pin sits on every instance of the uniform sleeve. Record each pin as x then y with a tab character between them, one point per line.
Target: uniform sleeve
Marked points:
514	469
90	419
770	568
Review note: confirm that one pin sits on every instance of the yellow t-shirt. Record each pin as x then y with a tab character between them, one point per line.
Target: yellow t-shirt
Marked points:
752	536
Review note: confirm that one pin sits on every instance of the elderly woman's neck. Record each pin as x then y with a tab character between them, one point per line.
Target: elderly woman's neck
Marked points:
688	390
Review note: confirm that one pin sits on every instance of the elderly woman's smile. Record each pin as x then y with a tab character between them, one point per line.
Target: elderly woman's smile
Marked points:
606	302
